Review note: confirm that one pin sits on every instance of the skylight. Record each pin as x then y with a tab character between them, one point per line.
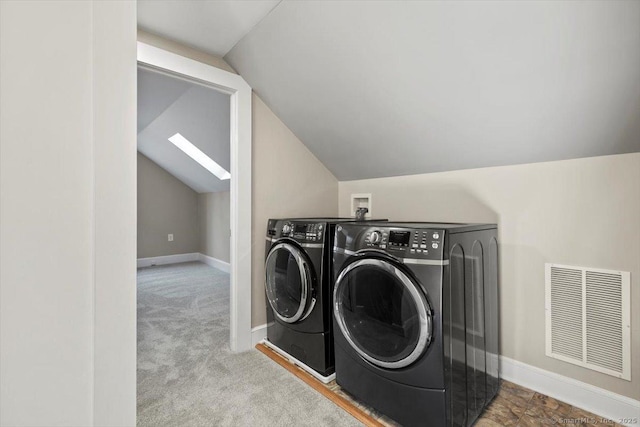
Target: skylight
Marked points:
194	152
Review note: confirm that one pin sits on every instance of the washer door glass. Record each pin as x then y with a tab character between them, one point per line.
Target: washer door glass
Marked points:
288	282
382	313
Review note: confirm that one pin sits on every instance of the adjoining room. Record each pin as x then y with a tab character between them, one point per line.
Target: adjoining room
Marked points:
183	236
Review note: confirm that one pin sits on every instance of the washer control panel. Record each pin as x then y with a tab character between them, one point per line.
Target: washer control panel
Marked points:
303	231
406	243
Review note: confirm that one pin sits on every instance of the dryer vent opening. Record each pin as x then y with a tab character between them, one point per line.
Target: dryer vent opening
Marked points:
588	318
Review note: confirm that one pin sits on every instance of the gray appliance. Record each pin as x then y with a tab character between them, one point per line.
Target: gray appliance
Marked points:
415	315
298	291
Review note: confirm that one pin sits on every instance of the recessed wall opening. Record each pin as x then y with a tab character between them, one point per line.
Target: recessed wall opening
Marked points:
194	207
184	227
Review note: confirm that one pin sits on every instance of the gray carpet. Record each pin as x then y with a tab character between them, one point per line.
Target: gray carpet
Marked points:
187	375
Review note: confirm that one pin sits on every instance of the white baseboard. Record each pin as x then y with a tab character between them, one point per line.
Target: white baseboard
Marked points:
168	259
258	334
593	399
215	263
178	258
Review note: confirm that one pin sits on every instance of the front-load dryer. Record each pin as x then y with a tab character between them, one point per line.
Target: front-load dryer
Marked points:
416	319
298	289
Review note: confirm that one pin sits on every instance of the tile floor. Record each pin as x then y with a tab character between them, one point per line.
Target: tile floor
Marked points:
512	406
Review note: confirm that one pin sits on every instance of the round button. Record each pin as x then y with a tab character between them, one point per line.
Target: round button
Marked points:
434	245
436	236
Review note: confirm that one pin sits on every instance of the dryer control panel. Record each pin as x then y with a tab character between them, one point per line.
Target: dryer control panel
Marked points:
405	243
298	230
303	231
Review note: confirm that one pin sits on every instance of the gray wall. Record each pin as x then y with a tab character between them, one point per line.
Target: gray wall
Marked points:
67	270
165	205
199	222
580	212
214	218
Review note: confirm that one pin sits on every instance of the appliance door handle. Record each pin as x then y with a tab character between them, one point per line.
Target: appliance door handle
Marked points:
308	283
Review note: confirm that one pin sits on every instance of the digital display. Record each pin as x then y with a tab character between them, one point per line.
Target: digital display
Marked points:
399	238
300	228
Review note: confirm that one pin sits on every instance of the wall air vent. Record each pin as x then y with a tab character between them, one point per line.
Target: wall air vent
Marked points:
588	318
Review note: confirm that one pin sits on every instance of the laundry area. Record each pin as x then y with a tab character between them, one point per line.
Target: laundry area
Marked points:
319	213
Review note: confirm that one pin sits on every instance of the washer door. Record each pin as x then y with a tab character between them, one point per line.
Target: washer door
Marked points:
289	283
382	313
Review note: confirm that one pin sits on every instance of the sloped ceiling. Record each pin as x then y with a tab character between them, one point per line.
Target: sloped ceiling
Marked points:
167	106
211	26
393	88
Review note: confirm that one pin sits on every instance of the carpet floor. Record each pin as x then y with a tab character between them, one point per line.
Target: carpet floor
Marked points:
187	376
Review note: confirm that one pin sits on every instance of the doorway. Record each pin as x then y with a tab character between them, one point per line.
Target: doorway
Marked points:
161	61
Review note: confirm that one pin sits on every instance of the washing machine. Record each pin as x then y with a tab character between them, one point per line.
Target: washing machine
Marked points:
298	291
415	312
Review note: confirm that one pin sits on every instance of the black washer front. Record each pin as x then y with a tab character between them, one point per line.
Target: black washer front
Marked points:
289	279
382	312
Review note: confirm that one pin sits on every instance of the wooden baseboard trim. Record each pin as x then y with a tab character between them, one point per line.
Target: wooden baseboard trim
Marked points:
343	403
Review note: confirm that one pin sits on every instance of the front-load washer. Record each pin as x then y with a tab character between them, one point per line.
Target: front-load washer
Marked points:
416	319
299	289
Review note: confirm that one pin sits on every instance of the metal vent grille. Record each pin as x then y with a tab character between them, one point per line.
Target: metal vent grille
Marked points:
566	312
588	318
604	318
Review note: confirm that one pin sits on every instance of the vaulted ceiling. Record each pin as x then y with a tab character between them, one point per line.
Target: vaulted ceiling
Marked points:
166	106
212	26
383	88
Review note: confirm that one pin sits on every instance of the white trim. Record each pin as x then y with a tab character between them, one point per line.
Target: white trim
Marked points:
300	364
215	263
168	259
258	334
586	396
240	127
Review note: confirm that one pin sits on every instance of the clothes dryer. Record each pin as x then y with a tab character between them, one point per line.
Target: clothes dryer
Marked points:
416	319
299	288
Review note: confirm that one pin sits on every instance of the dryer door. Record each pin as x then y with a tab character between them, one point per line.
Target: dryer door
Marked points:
382	313
289	282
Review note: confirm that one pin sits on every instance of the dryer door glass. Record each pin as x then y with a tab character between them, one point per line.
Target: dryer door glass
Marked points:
288	282
382	313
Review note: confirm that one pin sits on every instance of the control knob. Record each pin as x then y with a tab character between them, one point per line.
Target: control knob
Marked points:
286	229
374	237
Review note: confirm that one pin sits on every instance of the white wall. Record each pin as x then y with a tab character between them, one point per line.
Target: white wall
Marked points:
449	84
67	294
114	129
583	212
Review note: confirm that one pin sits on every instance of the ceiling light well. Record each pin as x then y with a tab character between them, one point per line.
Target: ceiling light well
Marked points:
196	154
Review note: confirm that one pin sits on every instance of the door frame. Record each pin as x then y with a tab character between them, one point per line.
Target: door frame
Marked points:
240	129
